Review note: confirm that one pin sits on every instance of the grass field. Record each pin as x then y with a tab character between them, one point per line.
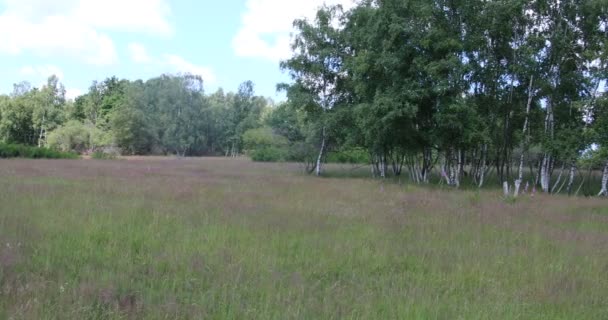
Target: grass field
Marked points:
157	238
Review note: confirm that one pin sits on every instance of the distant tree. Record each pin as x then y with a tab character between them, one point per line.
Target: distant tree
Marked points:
16	124
48	112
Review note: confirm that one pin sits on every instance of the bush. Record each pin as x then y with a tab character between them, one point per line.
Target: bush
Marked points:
268	154
264	145
22	151
77	137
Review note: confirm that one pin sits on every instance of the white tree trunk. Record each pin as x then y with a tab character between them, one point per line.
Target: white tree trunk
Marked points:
482	171
382	164
545	174
427	164
604	191
459	168
321	153
571	177
559	179
524	143
516	189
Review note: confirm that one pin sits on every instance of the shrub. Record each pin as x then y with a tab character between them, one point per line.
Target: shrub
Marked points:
22	151
268	154
264	145
77	137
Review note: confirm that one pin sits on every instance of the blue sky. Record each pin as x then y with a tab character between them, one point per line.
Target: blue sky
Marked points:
227	42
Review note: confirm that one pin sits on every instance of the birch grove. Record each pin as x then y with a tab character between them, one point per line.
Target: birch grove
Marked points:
445	80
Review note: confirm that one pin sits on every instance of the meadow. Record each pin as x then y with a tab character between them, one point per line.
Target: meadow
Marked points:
215	238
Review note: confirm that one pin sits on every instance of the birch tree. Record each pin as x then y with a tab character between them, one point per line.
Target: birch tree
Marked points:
48	108
317	70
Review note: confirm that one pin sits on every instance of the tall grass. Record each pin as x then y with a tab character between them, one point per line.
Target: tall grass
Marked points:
231	239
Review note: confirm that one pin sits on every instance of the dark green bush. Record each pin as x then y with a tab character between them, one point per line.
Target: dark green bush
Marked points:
268	154
22	151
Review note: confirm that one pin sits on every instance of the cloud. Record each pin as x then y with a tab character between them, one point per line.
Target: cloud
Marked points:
72	93
267	24
179	64
171	63
139	54
77	28
41	72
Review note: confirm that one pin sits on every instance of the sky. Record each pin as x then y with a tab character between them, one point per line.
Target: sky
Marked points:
226	42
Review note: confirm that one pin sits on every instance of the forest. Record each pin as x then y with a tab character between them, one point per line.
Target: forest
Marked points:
448	91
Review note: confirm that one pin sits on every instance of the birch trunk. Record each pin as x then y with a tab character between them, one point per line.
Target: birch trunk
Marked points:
516	188
427	165
604	191
482	171
459	168
559	179
545	179
546	169
505	188
524	144
571	177
321	153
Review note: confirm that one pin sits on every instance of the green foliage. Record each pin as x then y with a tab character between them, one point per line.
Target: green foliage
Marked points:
351	156
48	109
77	137
460	84
262	144
262	137
16	124
268	154
23	151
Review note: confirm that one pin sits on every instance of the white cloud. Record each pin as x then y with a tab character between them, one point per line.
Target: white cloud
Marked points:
179	64
76	28
27	71
147	16
139	54
72	93
267	25
41	72
171	63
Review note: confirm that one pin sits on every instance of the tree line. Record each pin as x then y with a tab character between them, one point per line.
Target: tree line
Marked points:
169	114
462	88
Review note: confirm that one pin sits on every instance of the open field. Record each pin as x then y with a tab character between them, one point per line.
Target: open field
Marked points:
155	238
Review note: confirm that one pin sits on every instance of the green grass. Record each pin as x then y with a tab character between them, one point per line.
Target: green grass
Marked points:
231	239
